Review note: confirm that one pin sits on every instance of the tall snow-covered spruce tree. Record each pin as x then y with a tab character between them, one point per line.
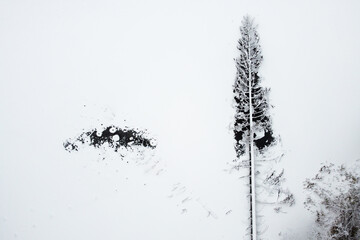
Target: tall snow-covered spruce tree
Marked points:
253	131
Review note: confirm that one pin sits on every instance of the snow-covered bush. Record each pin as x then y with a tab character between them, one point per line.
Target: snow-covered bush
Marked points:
334	198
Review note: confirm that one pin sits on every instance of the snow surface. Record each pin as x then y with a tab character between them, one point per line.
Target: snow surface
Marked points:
166	66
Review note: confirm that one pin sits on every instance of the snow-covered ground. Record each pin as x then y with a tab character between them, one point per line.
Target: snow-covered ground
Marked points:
164	66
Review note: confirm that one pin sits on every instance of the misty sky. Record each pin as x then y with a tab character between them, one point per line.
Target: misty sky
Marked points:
164	66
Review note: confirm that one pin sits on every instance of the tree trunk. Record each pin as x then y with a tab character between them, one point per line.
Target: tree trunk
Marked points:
253	231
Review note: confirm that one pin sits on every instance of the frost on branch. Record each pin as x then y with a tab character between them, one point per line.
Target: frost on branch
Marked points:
334	199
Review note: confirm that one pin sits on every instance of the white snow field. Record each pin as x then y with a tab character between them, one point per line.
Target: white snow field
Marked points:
167	67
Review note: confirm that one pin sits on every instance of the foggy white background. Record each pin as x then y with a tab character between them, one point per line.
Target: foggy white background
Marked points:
166	66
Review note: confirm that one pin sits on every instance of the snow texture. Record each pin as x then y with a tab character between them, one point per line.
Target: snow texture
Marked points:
165	66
